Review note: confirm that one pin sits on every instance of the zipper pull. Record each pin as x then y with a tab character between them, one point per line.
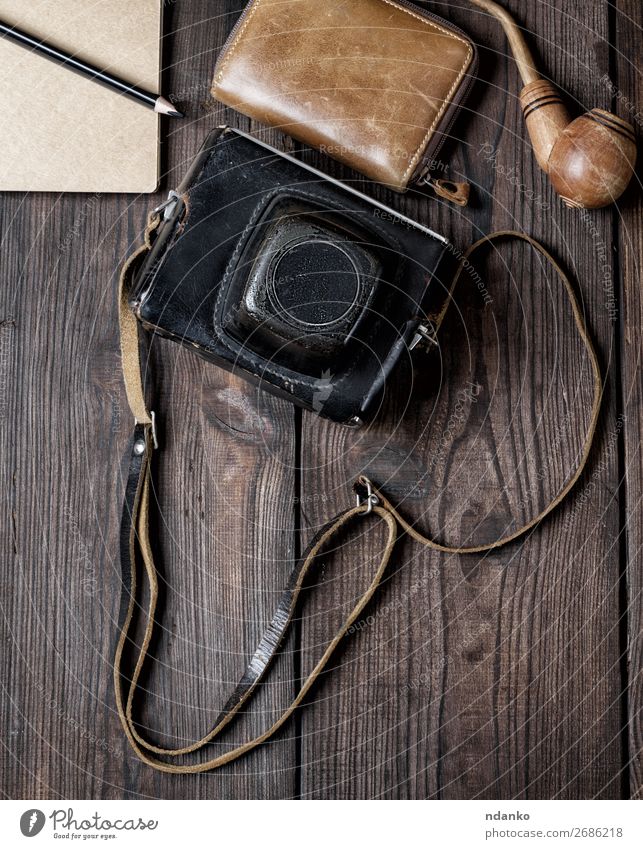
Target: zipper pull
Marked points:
449	189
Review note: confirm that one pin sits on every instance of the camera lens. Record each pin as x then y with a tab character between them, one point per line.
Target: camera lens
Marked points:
302	288
314	282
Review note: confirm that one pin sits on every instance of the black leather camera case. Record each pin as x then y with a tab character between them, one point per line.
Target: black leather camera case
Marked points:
272	270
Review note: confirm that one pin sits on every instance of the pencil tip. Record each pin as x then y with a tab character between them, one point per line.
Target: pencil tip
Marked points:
164	107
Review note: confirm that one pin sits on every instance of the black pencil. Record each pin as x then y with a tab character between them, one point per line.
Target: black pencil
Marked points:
153	101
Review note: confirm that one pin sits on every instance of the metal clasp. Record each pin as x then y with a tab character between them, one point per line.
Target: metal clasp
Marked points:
155	440
168	205
426	335
371	499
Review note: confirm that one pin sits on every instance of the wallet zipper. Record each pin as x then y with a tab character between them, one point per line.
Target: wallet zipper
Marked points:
450	117
456	191
421	175
233	32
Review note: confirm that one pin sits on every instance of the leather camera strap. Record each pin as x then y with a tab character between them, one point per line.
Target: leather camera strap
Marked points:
135	544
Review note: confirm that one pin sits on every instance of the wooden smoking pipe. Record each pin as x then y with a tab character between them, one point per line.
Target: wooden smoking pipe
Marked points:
590	160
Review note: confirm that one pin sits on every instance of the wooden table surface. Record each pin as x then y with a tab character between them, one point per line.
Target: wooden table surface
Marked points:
515	674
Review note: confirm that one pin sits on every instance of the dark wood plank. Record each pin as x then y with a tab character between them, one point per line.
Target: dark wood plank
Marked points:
225	489
627	91
488	677
496	676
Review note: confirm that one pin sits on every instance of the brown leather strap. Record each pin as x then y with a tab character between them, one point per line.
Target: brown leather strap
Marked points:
135	543
589	436
135	537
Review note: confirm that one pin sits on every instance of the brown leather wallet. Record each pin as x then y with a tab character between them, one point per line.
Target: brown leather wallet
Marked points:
376	84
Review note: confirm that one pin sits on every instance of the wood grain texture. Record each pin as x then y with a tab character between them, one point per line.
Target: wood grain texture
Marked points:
225	492
485	676
477	677
627	91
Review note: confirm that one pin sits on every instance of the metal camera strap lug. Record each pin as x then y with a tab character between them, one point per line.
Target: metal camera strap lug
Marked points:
155	441
168	206
426	336
371	499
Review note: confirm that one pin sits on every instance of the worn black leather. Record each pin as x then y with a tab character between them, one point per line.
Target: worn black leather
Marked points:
354	285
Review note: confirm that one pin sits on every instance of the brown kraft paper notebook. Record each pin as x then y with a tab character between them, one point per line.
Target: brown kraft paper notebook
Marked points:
62	132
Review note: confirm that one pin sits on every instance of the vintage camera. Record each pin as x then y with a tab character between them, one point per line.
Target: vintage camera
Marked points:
271	269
